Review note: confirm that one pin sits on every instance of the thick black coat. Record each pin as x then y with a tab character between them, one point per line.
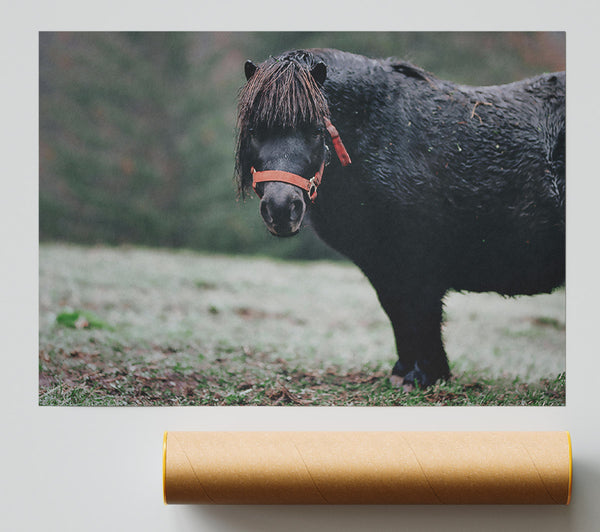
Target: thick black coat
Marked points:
450	188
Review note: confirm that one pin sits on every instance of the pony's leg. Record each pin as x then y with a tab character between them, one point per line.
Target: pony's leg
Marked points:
416	320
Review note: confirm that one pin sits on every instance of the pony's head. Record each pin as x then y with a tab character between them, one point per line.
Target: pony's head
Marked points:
282	118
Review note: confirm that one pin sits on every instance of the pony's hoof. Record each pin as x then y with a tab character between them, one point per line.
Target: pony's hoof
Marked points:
396	381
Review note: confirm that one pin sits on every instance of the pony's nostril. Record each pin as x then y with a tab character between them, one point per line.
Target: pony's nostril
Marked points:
296	210
265	212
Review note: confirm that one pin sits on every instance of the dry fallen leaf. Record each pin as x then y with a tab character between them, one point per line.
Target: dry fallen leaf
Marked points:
81	322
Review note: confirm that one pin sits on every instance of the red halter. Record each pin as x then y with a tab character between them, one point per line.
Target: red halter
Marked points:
310	185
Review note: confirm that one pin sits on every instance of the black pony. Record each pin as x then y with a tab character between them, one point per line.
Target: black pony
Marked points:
450	187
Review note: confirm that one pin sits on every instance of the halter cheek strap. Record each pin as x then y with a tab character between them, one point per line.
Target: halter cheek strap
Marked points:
337	143
310	185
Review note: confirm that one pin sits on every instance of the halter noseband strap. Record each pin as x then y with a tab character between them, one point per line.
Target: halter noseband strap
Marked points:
310	185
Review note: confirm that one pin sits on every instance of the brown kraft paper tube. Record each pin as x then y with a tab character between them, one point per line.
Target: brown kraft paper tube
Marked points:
367	467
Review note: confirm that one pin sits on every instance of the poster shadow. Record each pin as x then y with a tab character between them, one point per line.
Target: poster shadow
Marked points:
490	518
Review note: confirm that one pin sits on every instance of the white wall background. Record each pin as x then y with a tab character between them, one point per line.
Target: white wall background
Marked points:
81	469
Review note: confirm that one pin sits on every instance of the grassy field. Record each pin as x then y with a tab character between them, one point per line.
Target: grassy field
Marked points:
130	326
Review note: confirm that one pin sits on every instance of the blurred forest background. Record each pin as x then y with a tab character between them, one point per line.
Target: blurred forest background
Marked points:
137	130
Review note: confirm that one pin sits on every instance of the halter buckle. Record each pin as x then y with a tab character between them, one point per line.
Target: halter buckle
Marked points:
312	189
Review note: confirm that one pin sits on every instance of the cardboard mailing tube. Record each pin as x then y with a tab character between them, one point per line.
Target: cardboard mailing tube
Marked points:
367	467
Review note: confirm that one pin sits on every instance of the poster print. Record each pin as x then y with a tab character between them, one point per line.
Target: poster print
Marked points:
427	269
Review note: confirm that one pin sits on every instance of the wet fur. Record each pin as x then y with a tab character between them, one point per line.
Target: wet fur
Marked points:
452	187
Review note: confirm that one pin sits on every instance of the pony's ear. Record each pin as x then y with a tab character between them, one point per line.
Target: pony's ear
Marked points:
249	69
319	72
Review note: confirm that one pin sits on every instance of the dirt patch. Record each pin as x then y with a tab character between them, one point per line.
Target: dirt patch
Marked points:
256	314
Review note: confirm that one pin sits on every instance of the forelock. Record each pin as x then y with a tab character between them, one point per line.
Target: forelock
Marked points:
282	93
